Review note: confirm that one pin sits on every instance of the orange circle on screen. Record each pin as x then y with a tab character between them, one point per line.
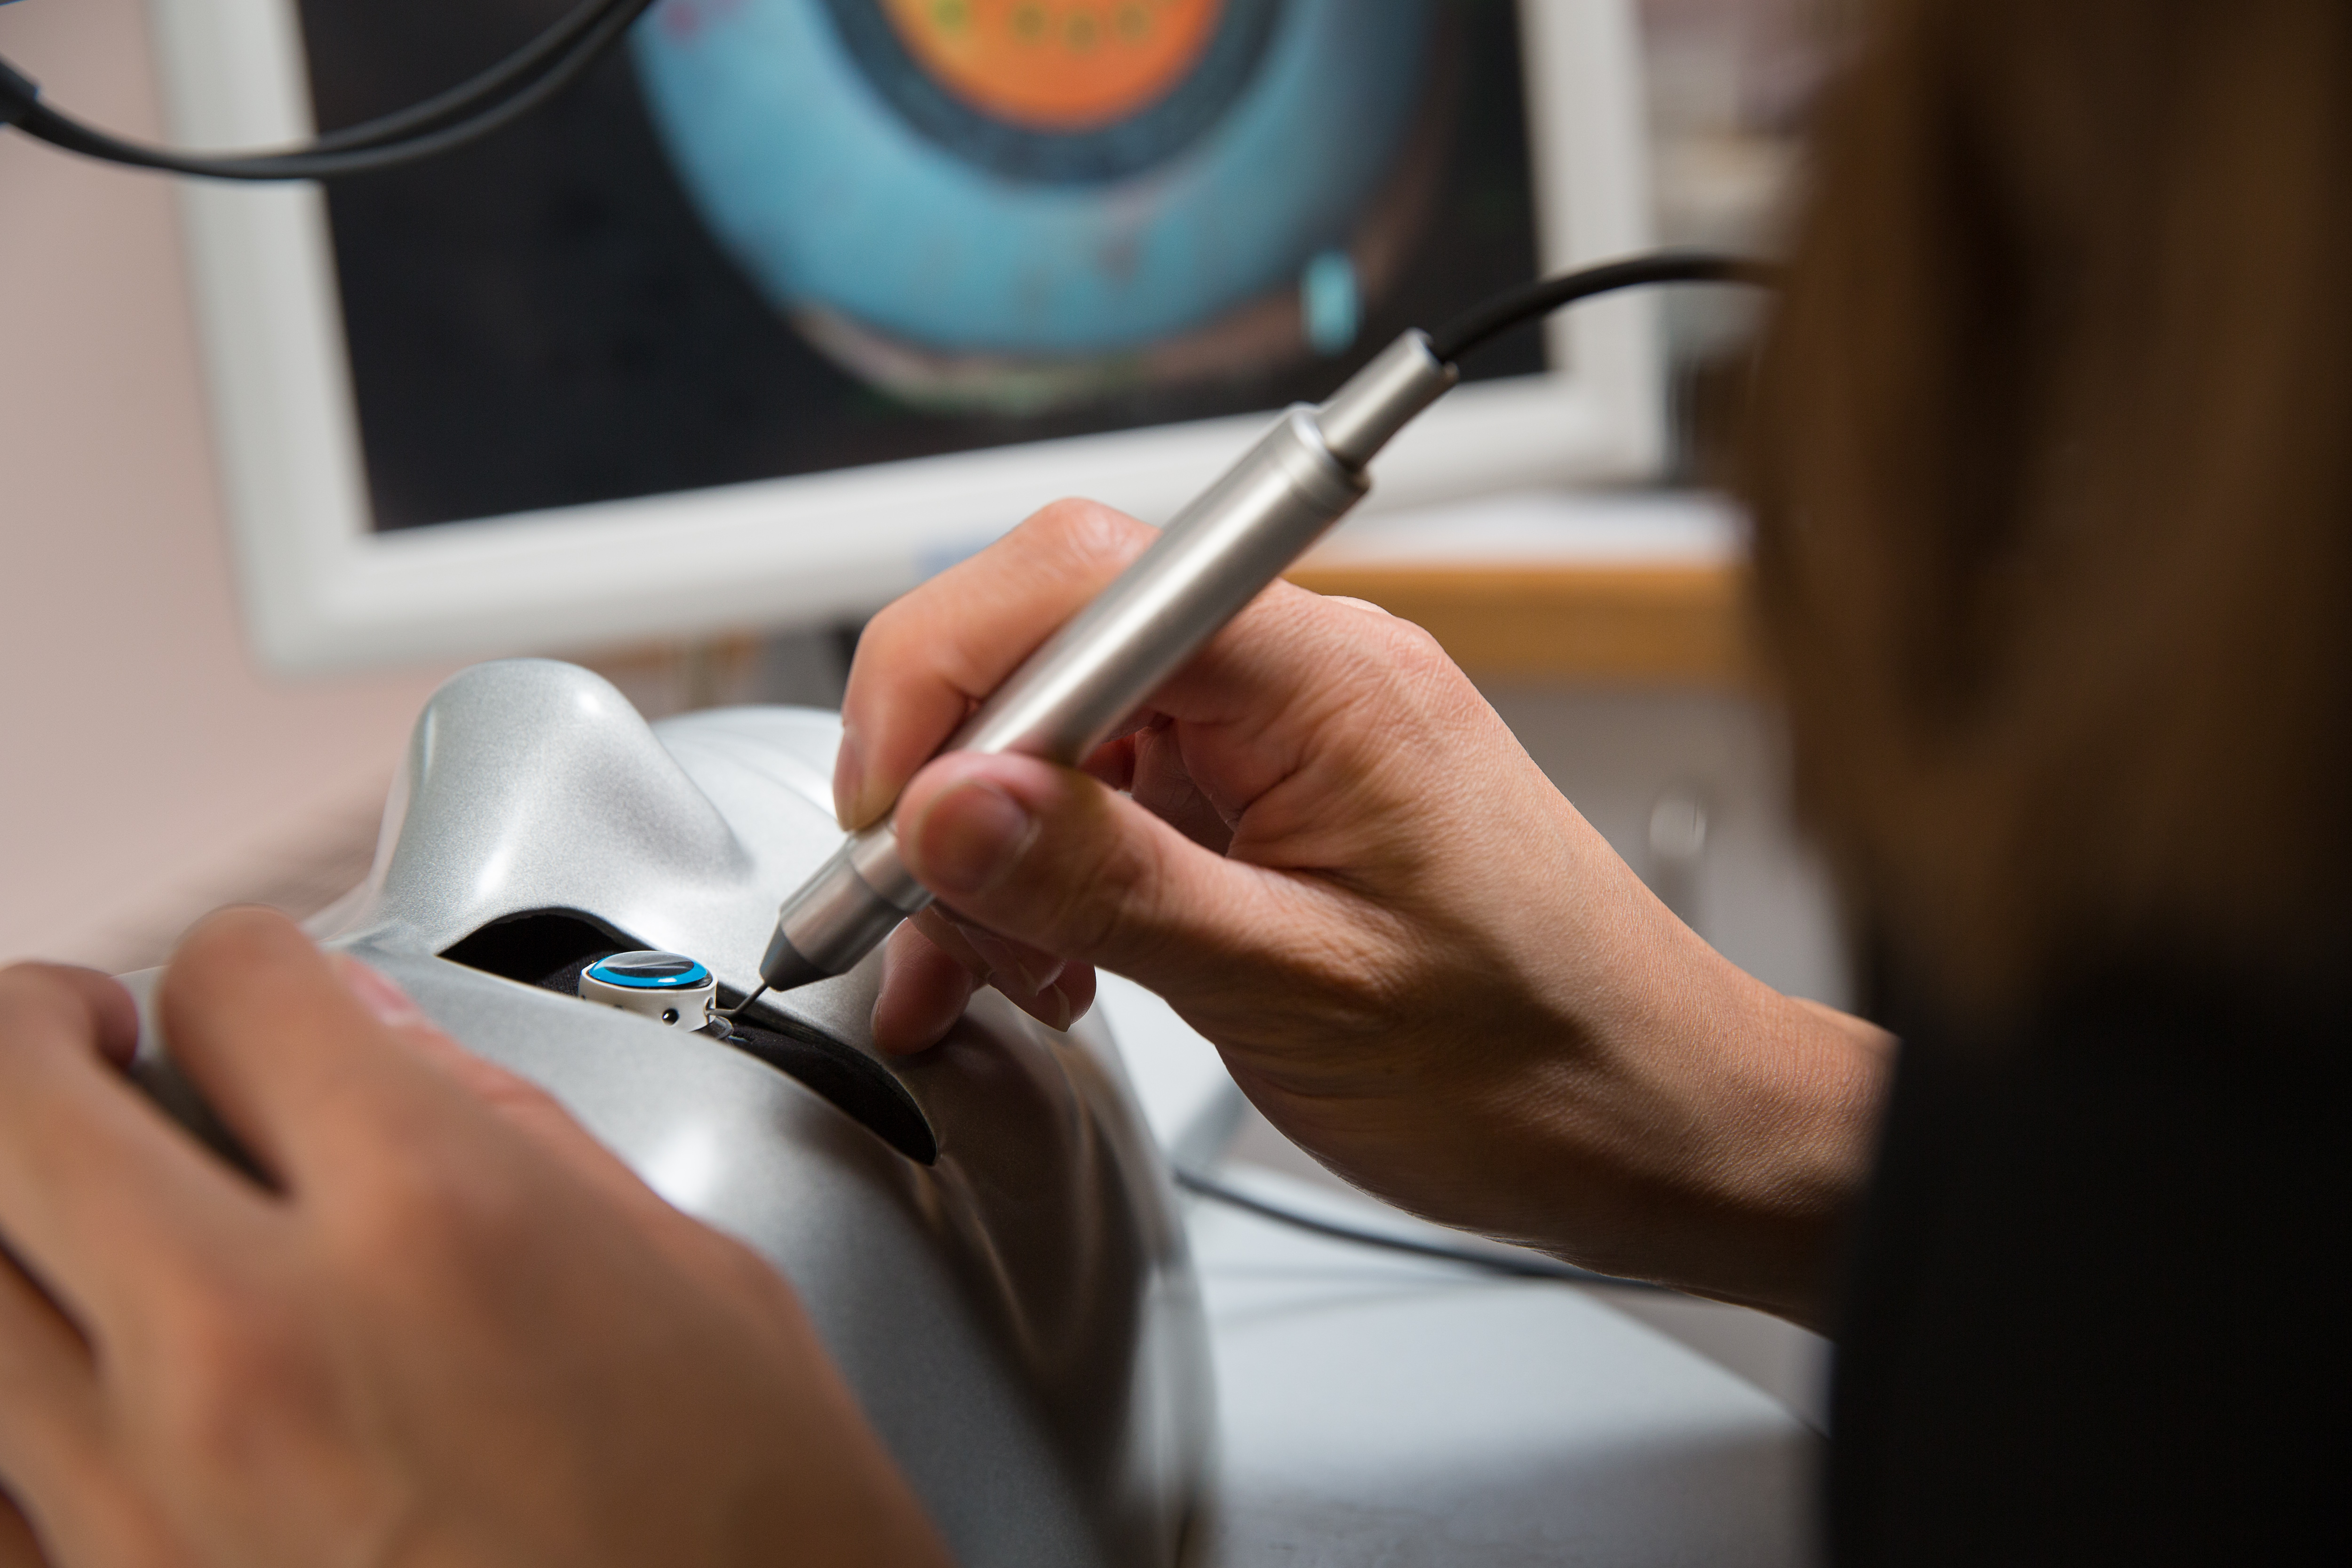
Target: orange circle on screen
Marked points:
1057	65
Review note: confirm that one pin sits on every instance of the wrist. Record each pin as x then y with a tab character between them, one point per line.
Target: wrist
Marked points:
1717	1141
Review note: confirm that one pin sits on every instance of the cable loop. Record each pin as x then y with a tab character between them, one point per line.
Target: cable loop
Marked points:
1517	1266
1476	328
19	94
486	103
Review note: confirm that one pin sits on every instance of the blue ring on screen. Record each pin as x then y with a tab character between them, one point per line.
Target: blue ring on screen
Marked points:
830	199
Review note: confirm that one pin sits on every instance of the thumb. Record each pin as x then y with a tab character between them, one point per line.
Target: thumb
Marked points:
1054	858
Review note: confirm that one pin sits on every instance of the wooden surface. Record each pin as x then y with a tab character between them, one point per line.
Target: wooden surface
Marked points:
1651	625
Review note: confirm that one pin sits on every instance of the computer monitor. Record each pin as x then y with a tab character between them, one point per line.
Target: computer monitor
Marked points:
793	303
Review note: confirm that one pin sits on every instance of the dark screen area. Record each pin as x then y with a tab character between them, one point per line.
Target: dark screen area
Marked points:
544	320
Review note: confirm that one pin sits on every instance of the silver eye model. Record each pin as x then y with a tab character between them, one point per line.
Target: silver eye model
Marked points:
666	987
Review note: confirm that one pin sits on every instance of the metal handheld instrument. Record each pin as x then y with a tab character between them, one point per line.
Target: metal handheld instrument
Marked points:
1218	555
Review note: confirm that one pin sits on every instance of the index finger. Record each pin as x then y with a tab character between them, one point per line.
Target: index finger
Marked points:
308	1079
98	1191
928	658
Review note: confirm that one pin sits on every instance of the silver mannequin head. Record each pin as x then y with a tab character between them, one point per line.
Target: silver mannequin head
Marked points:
984	1235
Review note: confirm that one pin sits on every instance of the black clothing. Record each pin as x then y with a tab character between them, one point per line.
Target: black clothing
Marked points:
2096	1311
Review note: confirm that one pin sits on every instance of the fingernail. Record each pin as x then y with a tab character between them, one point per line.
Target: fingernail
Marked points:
849	781
971	837
1032	972
378	994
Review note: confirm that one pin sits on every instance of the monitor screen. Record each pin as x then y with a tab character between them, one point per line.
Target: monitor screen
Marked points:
790	303
779	237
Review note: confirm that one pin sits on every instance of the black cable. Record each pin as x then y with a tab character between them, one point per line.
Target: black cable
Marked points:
1493	1262
445	108
489	102
1482	325
611	20
18	94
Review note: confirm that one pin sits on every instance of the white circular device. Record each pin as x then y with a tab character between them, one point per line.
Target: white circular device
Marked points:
668	987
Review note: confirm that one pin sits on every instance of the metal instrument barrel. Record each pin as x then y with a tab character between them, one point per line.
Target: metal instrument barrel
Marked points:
1218	555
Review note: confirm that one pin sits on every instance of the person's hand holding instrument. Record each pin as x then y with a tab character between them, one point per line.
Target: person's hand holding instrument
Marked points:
1419	961
1069	691
454	1329
1329	853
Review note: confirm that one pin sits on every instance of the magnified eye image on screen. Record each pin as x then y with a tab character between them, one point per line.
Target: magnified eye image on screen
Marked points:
782	237
1018	203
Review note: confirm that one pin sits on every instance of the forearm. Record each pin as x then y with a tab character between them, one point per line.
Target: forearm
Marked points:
1700	1130
1760	1156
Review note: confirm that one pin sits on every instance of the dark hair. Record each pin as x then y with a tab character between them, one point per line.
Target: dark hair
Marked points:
2050	458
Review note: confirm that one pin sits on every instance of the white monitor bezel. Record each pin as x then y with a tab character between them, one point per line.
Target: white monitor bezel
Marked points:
323	591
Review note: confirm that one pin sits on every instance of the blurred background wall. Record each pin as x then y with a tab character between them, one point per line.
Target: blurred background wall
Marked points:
146	766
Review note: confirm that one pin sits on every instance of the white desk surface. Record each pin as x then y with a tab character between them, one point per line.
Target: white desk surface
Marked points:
1380	1411
1377	1410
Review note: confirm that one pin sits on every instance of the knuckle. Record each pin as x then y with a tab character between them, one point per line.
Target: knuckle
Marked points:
1085	534
1402	675
1414	650
889	632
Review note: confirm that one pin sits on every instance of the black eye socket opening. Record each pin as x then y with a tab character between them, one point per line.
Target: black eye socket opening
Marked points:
548	948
